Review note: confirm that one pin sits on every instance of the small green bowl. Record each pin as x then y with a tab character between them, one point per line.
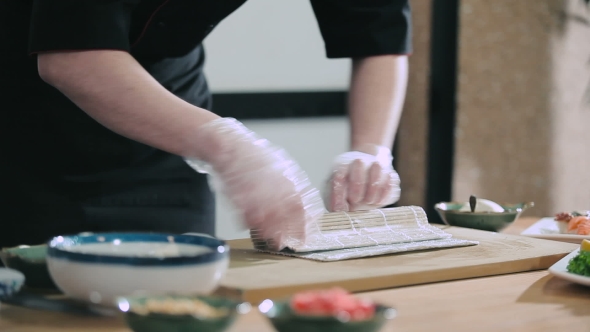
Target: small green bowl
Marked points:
285	320
157	322
30	261
486	221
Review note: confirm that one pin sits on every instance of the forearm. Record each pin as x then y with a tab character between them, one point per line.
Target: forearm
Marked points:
115	90
376	98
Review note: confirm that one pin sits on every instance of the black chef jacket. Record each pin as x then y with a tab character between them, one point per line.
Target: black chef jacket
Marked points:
62	172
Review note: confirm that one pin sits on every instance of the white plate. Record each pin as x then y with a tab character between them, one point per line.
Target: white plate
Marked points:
559	269
547	228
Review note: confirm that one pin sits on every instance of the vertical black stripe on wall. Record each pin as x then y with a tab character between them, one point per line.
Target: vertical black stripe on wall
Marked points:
442	107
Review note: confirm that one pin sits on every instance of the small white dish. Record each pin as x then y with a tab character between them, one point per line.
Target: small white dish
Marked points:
11	282
559	269
98	268
548	229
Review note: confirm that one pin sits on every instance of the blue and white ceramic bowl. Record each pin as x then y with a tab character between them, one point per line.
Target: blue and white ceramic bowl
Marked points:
101	267
11	282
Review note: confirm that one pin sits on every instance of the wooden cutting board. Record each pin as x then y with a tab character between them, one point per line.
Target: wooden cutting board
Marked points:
254	276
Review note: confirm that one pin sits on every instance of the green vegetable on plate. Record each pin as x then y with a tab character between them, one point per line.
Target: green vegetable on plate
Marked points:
580	264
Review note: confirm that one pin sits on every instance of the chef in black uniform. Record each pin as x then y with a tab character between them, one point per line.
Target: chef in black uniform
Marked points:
103	102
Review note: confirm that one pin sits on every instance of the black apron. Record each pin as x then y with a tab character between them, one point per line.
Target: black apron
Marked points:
69	174
63	173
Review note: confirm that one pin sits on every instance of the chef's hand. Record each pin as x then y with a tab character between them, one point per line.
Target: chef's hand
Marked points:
270	190
363	180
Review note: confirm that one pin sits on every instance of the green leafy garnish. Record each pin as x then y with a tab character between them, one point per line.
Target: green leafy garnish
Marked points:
580	264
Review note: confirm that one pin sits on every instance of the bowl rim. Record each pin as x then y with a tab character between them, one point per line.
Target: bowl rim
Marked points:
56	249
15	252
516	211
134	299
380	310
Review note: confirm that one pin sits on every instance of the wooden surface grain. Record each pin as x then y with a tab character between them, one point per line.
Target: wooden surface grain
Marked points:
531	301
255	276
520	225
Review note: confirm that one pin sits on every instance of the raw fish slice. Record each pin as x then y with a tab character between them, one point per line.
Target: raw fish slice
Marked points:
575	222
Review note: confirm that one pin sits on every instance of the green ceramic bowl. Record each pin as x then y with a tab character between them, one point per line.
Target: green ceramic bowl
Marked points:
285	320
157	322
30	261
487	221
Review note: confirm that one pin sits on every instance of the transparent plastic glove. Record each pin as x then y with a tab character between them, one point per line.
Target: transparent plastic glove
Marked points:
272	193
363	180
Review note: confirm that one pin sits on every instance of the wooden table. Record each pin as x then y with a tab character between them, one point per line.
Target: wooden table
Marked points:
532	301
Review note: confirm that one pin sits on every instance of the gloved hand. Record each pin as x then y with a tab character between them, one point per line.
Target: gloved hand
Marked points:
269	189
363	180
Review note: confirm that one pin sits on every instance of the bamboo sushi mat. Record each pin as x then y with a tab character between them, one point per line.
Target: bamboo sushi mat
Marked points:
347	235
